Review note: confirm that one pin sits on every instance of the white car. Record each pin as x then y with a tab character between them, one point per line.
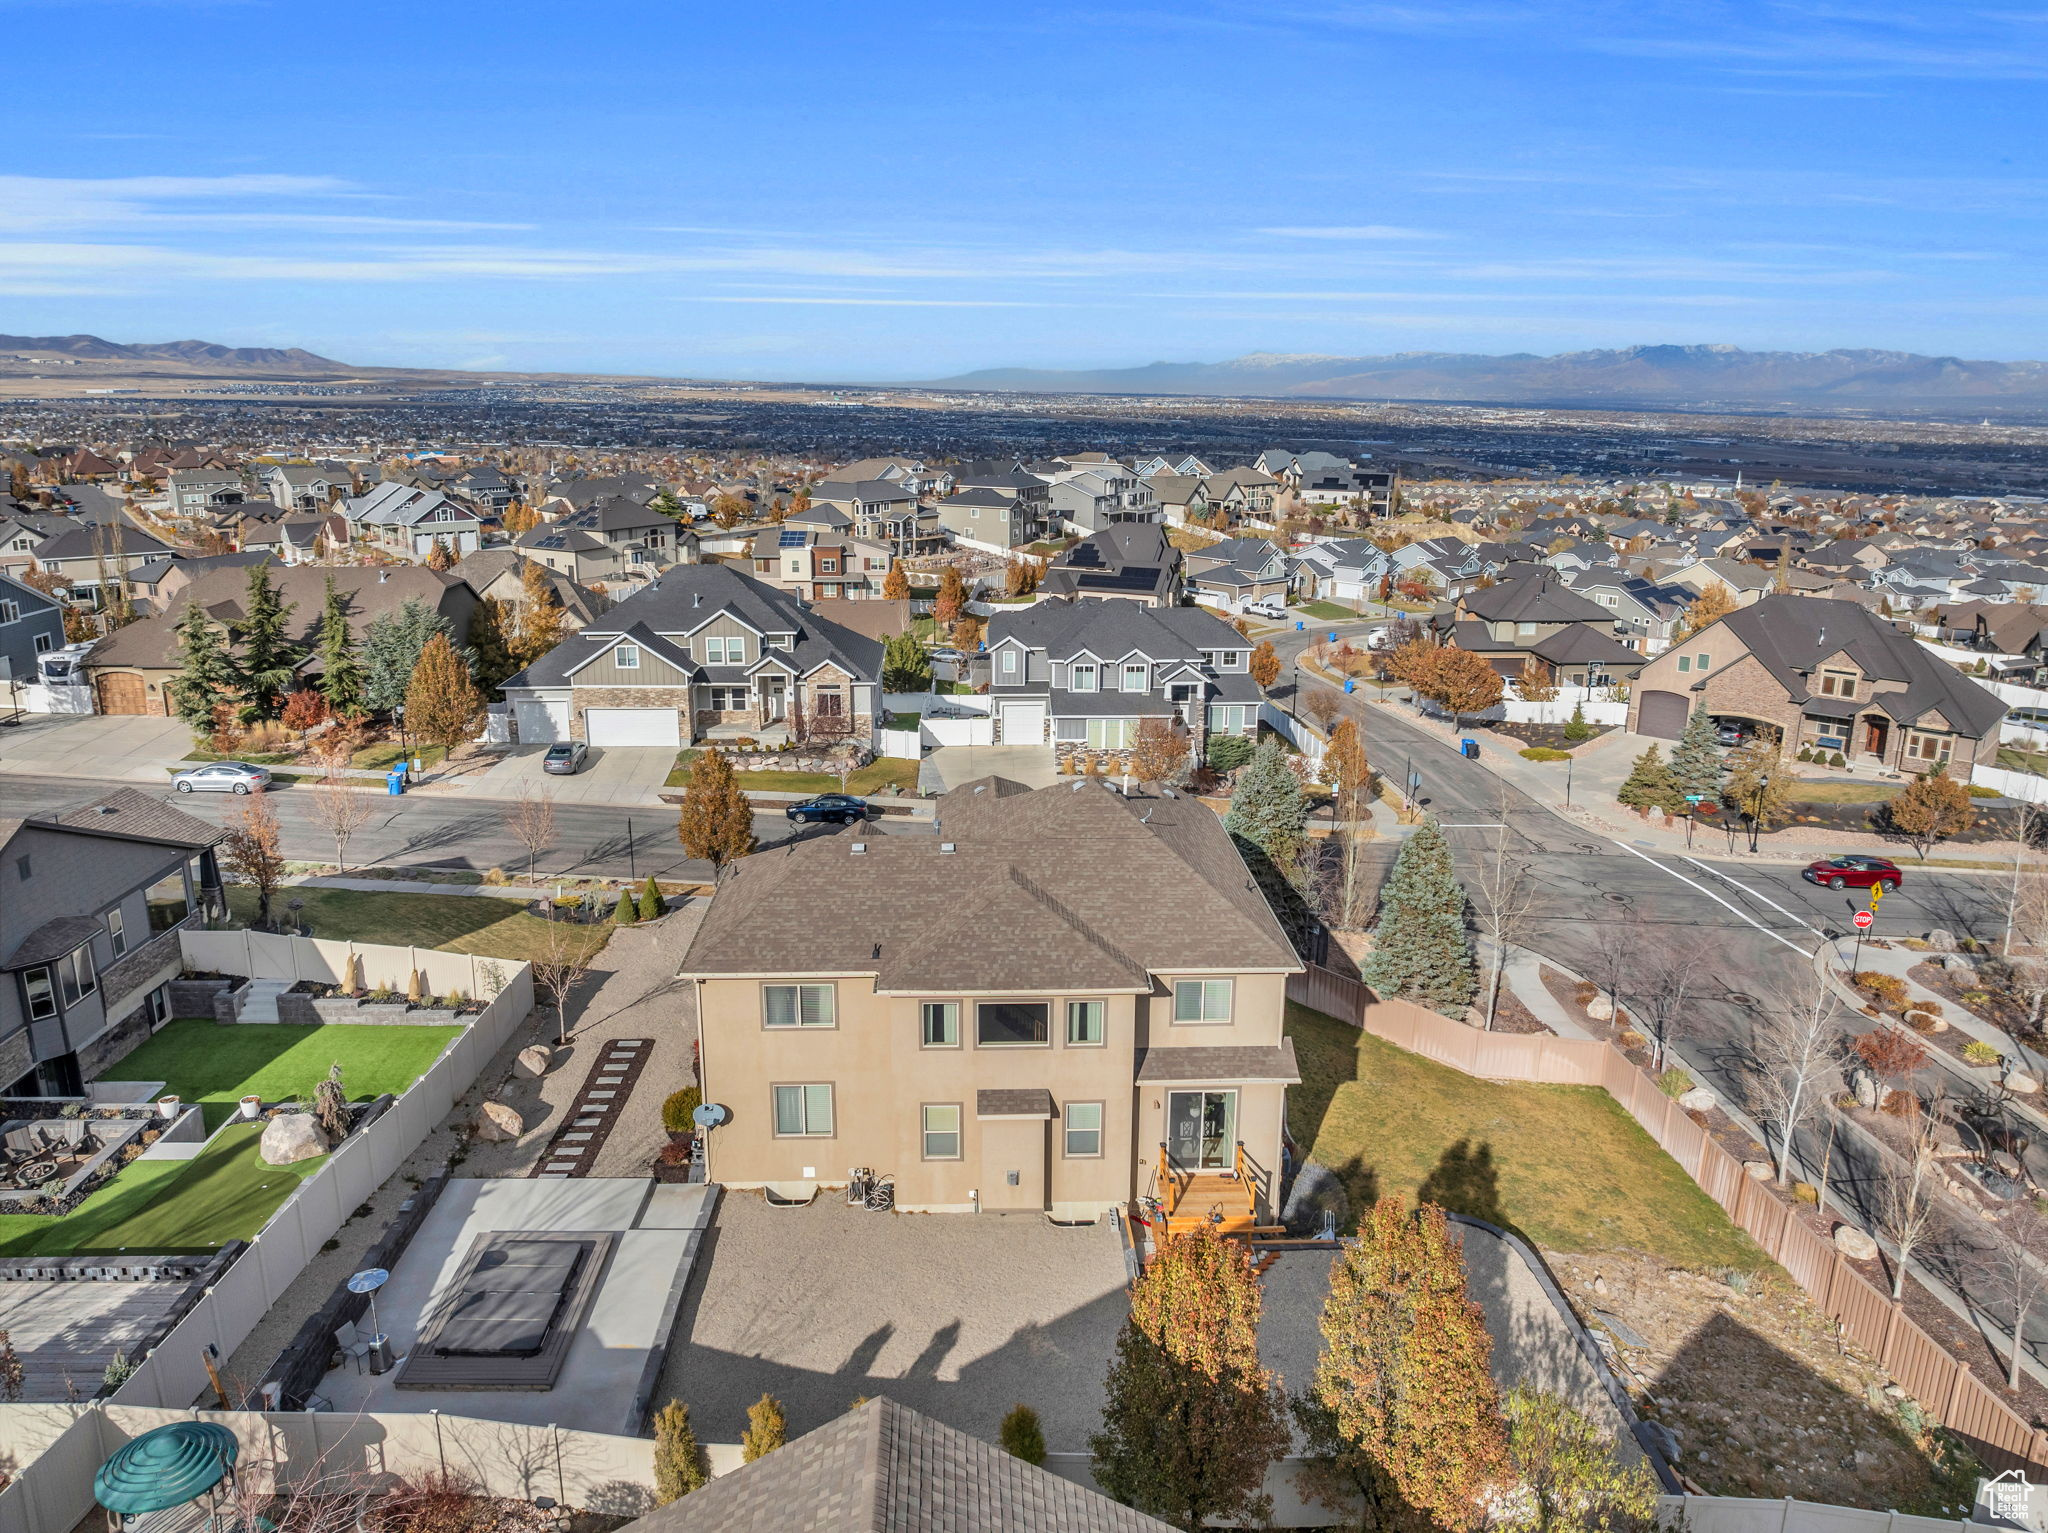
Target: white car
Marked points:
223	777
1265	607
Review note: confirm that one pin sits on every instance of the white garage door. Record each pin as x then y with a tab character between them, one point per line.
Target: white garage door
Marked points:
541	723
631	726
1023	723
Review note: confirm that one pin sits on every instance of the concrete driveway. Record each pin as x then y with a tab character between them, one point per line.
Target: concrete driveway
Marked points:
132	746
950	765
615	774
956	1315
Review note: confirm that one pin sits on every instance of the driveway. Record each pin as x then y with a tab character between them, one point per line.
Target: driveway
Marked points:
134	747
956	1315
615	774
951	765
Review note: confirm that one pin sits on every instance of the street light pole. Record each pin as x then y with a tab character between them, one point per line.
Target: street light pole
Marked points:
1763	784
1568	782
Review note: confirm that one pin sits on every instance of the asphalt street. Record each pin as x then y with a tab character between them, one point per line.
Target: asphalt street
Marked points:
449	832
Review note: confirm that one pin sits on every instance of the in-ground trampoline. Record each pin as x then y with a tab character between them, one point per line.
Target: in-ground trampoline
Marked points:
507	1319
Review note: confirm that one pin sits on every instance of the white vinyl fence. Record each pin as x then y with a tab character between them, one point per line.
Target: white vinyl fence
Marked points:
1600	708
2024	786
174	1374
1738	1514
900	744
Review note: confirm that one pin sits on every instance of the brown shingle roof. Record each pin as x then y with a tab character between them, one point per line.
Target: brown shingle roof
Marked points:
1226	1062
129	812
1013	1102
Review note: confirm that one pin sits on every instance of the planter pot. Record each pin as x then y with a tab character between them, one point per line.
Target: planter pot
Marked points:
167	1107
252	1108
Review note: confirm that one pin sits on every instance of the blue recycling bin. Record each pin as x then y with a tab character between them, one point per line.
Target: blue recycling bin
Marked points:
1299	626
1350	684
1469	748
394	781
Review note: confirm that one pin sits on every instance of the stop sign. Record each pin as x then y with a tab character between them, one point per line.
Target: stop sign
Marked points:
1864	919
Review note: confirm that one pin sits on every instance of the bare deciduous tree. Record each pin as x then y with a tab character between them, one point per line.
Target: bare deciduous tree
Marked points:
562	960
1792	1060
531	819
1670	973
1905	1200
341	811
1502	895
2015	1269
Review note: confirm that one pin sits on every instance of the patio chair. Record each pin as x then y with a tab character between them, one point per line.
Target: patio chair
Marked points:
351	1344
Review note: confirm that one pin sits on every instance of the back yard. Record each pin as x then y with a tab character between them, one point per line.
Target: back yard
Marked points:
202	1061
476	923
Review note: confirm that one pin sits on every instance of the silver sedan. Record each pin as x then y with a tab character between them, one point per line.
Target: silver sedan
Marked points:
223	777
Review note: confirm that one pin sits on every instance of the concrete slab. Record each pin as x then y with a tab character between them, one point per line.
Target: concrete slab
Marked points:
677	1206
135	747
615	774
1032	765
602	1376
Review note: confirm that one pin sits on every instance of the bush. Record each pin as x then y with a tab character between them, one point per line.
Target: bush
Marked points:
1021	1435
650	900
1838	760
1229	752
675	1112
1806	753
1805	1192
679	1466
1576	727
1885	989
1544	753
303	709
625	913
1674	1082
1976	998
1978	790
1978	1052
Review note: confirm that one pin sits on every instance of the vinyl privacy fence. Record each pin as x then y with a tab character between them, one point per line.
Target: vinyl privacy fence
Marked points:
1941	1382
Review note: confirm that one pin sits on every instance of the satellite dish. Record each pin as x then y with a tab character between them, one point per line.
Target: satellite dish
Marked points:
709	1114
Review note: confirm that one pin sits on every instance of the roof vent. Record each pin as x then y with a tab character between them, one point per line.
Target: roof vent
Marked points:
696	598
382	576
1168	793
1080	785
859	848
948	847
109	809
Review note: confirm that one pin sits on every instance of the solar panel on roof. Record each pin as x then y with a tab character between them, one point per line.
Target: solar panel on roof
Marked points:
792	537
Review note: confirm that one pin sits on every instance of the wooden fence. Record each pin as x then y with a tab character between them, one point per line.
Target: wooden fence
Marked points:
1927	1371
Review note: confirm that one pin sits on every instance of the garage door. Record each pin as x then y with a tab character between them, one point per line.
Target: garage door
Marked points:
1662	715
631	726
541	723
1023	723
122	692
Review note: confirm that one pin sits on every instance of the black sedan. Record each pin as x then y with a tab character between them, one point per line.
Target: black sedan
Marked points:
829	809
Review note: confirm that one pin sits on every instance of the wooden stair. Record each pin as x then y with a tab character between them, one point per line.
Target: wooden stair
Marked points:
1210	1197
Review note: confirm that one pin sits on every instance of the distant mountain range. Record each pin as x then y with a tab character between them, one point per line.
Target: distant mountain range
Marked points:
1635	375
203	354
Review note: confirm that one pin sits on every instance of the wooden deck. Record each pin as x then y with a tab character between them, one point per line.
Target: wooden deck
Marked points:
1214	1198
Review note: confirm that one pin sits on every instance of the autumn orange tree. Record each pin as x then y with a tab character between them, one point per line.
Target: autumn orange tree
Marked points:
254	852
951	601
896	584
1160	750
716	822
542	622
1265	663
1706	609
1402	1412
1190	1420
443	705
1933	807
1463	683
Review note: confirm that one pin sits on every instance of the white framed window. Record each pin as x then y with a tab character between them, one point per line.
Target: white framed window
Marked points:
803	1111
1009	662
1202	1000
627	657
1134	677
1083	1130
44	644
1081	677
940	1127
75	974
725	651
799	1006
1228	718
1111	734
10	611
938	1024
117	932
1085	1021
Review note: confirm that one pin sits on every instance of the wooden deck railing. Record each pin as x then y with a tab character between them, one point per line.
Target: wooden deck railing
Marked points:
1247	1181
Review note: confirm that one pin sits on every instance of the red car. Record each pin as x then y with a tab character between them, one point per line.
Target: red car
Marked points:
1854	873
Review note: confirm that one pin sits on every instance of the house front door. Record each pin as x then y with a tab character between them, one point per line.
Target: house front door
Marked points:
775	699
1876	732
1201	1130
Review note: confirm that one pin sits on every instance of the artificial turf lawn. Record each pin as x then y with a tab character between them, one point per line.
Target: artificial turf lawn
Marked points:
203	1061
455	923
1563	1165
168	1207
1327	612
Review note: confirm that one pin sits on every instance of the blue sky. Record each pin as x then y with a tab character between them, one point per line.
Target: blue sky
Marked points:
891	191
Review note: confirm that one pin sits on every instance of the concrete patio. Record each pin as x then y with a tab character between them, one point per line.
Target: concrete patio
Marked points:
133	746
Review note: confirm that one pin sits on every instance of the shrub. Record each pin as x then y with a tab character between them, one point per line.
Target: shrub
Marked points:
675	1112
679	1466
1805	1192
1901	1104
1021	1435
625	913
1978	1052
1576	727
767	1429
1544	753
1978	790
1976	997
1229	752
496	876
1919	1021
1805	753
1885	989
1838	760
303	709
1674	1082
1631	1039
650	900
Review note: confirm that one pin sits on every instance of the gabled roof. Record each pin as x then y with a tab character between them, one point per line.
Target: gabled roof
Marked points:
1112	629
120	540
128	814
1539	596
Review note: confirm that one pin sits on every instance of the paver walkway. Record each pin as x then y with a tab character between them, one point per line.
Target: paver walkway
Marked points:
586	1126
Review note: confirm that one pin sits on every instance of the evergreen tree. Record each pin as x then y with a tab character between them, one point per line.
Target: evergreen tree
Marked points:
905	665
207	674
490	644
1576	727
268	658
392	646
1420	948
651	903
1650	784
1403	1412
442	703
341	674
679	1465
1190	1421
1022	1436
1267	809
627	910
767	1429
1696	758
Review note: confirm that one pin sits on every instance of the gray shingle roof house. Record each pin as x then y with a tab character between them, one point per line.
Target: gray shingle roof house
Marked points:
884	1468
704	652
1533	614
1826	675
1083	673
1132	561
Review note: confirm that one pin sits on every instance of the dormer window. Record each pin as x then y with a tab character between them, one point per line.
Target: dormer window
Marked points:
1837	684
1134	677
1081	677
627	657
1009	663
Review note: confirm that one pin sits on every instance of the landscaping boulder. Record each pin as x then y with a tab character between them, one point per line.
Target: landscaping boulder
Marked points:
1601	1008
1757	1170
1869	1093
1316	1189
1699	1099
1854	1244
292	1136
533	1060
1941	941
1926	1022
498	1124
2021	1083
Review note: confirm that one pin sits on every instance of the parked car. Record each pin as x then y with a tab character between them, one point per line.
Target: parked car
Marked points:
223	777
950	656
565	758
1266	607
1731	734
829	809
1854	873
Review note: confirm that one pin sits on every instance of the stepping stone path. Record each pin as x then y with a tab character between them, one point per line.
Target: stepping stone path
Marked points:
599	1101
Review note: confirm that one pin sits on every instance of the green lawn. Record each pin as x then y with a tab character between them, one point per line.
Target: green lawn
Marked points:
456	923
2023	761
202	1061
1564	1165
374	757
1845	792
1326	612
167	1207
872	778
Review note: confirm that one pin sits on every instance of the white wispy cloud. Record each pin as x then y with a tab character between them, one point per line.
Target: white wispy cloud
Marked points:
1349	232
54	204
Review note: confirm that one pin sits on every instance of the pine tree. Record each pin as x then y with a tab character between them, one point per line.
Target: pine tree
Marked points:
1267	809
268	659
905	665
679	1465
392	646
1650	784
1576	728
442	703
1420	949
1403	1411
651	903
1022	1436
1190	1421
207	674
715	822
1696	758
627	910
490	644
341	672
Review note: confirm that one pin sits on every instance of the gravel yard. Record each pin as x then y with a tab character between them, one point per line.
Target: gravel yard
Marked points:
958	1316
